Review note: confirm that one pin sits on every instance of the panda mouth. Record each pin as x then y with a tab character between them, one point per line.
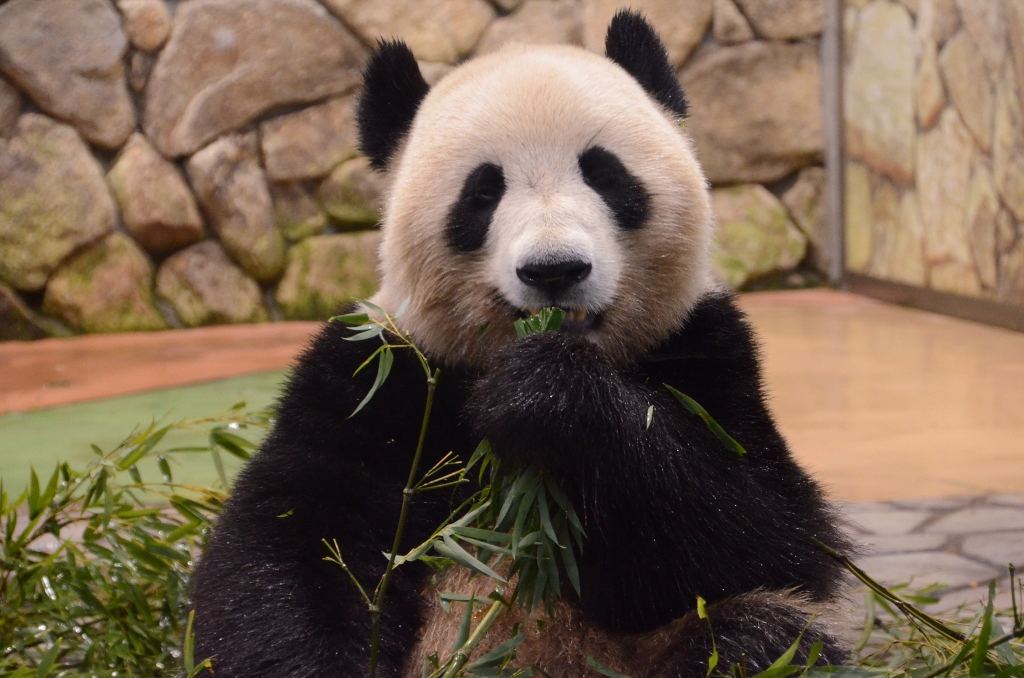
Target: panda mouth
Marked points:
577	320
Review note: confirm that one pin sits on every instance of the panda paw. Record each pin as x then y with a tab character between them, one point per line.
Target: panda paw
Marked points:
543	396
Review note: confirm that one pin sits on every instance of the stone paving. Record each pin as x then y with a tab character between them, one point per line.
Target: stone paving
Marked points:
958	543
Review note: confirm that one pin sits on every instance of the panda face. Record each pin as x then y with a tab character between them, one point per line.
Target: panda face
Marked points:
537	177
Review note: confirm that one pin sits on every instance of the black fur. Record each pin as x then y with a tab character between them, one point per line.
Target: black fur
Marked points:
470	216
634	45
623	192
747	631
670	513
393	89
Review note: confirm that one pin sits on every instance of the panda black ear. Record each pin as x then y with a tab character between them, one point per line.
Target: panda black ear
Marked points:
633	44
393	88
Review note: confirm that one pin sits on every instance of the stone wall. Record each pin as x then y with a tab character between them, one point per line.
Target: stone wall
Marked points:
176	164
935	142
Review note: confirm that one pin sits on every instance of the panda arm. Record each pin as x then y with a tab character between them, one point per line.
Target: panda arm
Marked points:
671	513
267	604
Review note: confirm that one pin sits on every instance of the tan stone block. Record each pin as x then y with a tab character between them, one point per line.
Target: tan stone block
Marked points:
756	110
729	25
858	217
310	143
966	80
107	287
908	264
931	95
1008	152
147	22
785	19
985	20
536	22
755	235
885	207
1011	276
981	221
53	200
435	30
68	57
156	204
879	91
233	191
205	287
229	61
326	273
945	159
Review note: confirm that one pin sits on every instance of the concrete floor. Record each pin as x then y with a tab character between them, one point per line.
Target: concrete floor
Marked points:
879	402
882	402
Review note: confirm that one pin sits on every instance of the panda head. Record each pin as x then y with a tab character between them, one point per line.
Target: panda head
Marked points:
538	176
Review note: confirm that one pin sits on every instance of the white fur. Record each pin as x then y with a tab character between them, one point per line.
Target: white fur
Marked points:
533	110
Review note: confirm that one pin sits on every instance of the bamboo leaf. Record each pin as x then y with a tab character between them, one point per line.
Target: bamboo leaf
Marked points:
143	448
450	549
499	654
463	633
232	444
383	370
352	318
692	406
603	670
977	666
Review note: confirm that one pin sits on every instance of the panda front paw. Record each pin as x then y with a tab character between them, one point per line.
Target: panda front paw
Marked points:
538	399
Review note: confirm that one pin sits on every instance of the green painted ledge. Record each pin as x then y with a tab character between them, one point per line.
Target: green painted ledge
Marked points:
43	437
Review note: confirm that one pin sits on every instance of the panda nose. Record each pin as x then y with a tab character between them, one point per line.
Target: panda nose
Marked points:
555	277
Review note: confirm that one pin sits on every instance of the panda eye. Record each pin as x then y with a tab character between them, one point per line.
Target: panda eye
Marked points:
623	193
470	216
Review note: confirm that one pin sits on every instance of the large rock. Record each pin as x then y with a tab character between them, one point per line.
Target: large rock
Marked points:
730	27
755	235
351	195
963	71
10	106
986	22
435	30
326	273
755	110
859	218
785	19
147	22
296	212
930	94
206	288
540	22
945	158
311	142
233	192
1008	144
17	321
808	206
228	61
156	203
69	58
680	23
53	200
982	220
108	287
879	91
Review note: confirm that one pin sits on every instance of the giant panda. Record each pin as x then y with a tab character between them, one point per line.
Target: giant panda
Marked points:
533	177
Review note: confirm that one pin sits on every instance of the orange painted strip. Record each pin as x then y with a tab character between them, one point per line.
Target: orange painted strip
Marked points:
52	372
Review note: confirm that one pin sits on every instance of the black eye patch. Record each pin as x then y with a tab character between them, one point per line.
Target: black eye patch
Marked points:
624	194
470	216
